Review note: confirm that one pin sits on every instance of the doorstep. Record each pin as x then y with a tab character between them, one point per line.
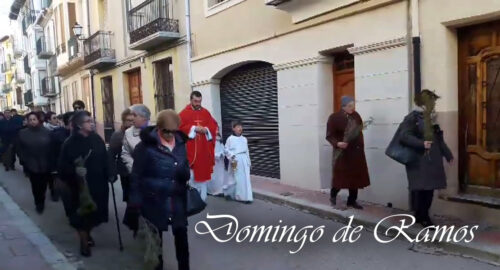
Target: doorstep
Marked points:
485	247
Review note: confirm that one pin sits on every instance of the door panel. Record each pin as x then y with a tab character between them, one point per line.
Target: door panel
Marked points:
344	86
479	105
134	86
108	107
164	85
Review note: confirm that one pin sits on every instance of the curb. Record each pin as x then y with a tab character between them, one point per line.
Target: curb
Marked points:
455	249
55	259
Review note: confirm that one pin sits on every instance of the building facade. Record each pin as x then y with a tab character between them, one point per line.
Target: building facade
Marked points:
137	55
282	66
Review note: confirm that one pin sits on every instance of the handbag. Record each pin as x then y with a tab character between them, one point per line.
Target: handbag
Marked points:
194	204
400	152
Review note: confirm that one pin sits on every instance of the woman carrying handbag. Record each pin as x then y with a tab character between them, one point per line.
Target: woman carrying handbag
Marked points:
158	189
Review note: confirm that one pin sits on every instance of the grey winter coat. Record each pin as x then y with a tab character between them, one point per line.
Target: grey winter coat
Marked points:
34	149
427	172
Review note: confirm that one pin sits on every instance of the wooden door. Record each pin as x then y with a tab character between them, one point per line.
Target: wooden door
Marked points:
479	105
134	87
164	83
108	107
343	78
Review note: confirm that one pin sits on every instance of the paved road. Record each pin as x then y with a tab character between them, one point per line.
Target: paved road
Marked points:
207	254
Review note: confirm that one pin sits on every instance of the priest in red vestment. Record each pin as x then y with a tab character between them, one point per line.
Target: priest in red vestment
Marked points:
199	125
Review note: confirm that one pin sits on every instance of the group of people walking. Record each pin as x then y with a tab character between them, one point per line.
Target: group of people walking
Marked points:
157	163
418	144
154	163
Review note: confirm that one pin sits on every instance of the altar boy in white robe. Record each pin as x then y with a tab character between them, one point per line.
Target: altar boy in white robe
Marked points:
239	185
216	185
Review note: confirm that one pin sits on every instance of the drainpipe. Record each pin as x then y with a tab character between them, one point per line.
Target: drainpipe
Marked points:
92	91
188	35
414	63
414	49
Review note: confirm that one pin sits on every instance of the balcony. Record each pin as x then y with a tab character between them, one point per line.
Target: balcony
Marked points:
26	62
6	88
43	51
48	87
74	48
61	48
276	2
18	50
150	25
98	51
20	76
28	98
46	3
303	10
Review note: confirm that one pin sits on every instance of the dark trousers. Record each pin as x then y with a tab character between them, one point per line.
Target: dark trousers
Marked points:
39	187
353	194
9	157
125	181
422	201
181	248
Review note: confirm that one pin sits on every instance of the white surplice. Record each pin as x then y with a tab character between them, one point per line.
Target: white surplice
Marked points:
216	185
239	185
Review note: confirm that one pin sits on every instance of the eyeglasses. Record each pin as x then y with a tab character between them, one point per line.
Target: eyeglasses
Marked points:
168	131
76	108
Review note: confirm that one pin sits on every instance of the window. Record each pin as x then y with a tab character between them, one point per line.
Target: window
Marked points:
213	7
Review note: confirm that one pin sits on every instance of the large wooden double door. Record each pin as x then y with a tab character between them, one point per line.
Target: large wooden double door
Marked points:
479	105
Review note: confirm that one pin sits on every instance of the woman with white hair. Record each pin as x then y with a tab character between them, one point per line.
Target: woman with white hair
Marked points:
131	138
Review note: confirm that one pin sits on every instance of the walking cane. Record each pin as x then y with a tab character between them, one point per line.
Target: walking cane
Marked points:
116	216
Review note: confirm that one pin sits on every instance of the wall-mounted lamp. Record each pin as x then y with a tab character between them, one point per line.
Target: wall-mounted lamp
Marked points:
78	31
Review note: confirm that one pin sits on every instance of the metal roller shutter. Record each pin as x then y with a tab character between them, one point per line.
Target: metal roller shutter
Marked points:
250	94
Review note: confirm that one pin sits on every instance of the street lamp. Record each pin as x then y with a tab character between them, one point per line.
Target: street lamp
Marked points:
77	30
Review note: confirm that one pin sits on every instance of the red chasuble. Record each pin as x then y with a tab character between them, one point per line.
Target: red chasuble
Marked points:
200	151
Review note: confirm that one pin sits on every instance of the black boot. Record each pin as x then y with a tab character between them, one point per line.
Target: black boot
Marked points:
160	263
40	208
333	196
84	244
355	205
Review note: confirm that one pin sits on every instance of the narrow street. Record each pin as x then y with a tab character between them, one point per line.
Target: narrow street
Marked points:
207	254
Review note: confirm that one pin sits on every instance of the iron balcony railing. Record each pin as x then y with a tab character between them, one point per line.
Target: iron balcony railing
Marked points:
98	46
28	98
43	50
74	48
48	86
150	17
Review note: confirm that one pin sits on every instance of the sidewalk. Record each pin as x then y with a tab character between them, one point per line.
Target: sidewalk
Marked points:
22	244
485	247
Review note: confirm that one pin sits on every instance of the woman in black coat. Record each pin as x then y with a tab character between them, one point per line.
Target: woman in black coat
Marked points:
83	161
158	182
34	150
426	173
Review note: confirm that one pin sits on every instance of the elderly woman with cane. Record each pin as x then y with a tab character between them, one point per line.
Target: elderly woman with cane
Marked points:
158	191
83	167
